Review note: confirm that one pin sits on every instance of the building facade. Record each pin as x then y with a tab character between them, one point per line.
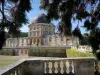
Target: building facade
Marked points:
41	33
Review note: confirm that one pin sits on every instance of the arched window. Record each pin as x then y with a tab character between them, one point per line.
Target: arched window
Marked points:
49	38
61	38
21	51
25	51
34	33
34	41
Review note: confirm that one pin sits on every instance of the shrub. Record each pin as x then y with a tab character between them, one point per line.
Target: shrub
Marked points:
75	53
47	51
6	52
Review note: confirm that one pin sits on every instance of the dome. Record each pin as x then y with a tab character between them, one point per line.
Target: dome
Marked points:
40	18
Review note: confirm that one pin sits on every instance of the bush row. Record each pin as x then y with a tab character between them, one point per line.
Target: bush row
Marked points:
7	52
47	52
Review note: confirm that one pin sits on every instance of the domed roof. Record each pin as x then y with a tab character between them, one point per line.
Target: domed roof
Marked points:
40	18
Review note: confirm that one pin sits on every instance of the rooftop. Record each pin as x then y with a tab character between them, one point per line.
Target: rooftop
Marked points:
39	18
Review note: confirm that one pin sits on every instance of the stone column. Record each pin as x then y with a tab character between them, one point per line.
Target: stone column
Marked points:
84	66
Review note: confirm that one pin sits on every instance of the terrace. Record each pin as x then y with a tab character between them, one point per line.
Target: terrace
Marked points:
53	66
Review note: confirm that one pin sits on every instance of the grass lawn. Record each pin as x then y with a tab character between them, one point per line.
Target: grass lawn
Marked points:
6	60
73	53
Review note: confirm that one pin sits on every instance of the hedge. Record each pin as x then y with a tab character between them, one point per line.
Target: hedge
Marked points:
7	52
47	51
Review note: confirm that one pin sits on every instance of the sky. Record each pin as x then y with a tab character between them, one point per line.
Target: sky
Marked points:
35	10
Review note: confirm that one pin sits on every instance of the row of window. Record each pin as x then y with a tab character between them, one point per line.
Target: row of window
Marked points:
35	40
34	28
48	32
46	29
11	44
14	43
24	51
35	33
50	39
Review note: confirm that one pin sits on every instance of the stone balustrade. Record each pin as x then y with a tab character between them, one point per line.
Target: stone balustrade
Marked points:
13	69
53	66
58	67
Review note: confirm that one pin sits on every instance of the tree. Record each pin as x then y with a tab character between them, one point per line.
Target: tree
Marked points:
12	17
67	11
23	34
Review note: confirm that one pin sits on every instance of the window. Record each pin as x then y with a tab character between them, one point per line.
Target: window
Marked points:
38	40
61	38
34	41
22	44
22	40
21	51
46	29
34	28
30	41
27	42
49	32
34	33
38	33
83	47
25	51
46	32
68	39
37	28
49	38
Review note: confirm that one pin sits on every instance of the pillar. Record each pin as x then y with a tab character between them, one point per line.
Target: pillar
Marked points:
84	66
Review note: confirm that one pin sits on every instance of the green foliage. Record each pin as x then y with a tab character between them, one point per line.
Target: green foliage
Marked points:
21	34
74	53
68	11
47	52
24	34
13	16
7	52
